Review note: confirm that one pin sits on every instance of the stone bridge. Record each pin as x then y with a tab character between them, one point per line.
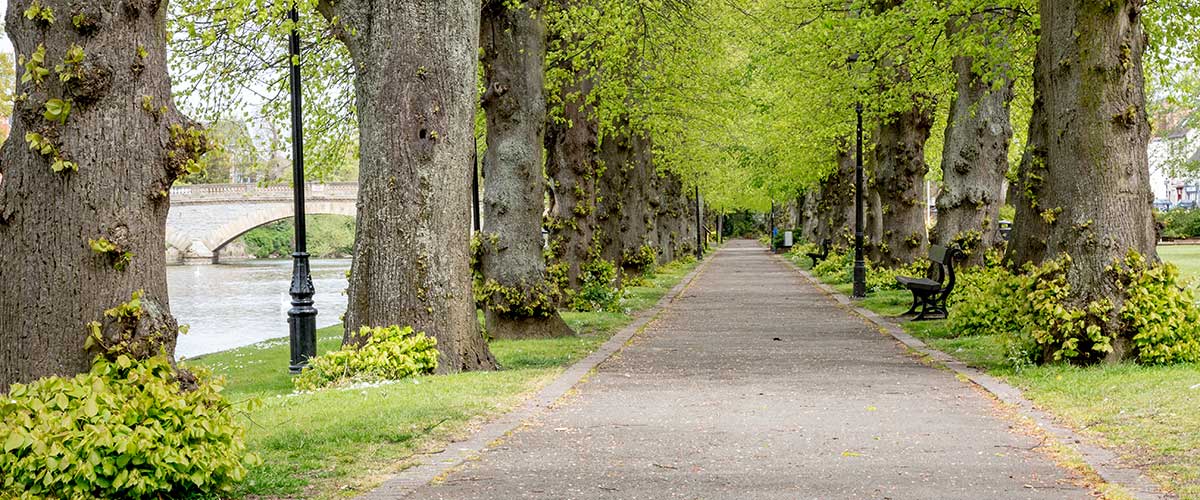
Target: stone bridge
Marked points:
206	217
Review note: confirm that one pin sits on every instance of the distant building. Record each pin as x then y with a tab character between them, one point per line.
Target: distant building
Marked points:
1175	167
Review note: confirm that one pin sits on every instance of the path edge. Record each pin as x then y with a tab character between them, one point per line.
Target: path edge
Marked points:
1103	461
434	465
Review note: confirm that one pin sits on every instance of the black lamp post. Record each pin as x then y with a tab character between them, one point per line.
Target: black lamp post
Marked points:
302	317
700	236
771	230
476	222
860	267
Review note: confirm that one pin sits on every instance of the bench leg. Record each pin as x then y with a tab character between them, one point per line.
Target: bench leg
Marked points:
913	308
929	305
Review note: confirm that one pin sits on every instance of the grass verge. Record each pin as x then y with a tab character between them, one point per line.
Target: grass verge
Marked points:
340	442
1149	414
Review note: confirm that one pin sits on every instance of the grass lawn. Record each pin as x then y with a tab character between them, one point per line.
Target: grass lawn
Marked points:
340	442
1186	257
1150	414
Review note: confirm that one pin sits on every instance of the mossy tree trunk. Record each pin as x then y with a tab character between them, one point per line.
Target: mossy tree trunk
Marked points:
1085	189
835	203
974	162
613	190
676	239
899	178
521	301
571	166
416	92
127	144
638	229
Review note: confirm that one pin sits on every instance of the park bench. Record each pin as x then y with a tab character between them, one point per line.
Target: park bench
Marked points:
821	254
931	294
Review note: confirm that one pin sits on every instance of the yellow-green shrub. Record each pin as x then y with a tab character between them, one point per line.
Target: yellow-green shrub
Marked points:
836	268
1160	311
390	353
1029	312
598	290
884	278
125	429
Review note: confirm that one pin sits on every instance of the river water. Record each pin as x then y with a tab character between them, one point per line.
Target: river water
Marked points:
241	303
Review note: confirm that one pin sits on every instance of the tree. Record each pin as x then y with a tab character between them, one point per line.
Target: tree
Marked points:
233	154
415	90
1084	182
519	299
975	154
84	199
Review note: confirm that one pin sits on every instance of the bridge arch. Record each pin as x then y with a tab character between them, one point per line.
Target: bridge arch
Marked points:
204	219
233	230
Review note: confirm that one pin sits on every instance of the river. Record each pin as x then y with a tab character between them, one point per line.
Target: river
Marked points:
241	303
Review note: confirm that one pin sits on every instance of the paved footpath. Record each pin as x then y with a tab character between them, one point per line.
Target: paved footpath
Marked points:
754	384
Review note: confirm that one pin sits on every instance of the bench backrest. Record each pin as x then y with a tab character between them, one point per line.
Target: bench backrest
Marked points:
937	253
942	266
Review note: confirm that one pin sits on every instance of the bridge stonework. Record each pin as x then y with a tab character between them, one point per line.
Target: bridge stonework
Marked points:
206	217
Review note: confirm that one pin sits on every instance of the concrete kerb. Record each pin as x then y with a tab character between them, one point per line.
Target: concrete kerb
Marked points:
435	465
1103	461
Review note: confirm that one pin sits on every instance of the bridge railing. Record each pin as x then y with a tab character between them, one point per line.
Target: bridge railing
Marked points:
206	193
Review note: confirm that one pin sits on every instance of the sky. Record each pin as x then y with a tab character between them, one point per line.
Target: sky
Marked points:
5	46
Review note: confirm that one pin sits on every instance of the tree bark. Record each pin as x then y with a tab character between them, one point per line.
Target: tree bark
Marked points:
974	162
1085	188
521	301
129	144
638	228
571	166
415	90
899	176
612	191
835	203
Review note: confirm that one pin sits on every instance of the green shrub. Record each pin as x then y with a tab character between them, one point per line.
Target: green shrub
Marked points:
328	236
884	278
1180	223
836	268
1031	315
391	353
641	260
125	429
987	301
1160	311
597	288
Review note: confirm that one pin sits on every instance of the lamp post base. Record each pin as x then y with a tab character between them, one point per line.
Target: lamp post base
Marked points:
302	317
860	279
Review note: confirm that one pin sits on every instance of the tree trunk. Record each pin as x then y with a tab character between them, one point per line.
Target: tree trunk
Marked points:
811	218
638	228
415	91
1085	186
835	205
670	217
612	191
521	302
899	181
974	162
128	144
571	167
